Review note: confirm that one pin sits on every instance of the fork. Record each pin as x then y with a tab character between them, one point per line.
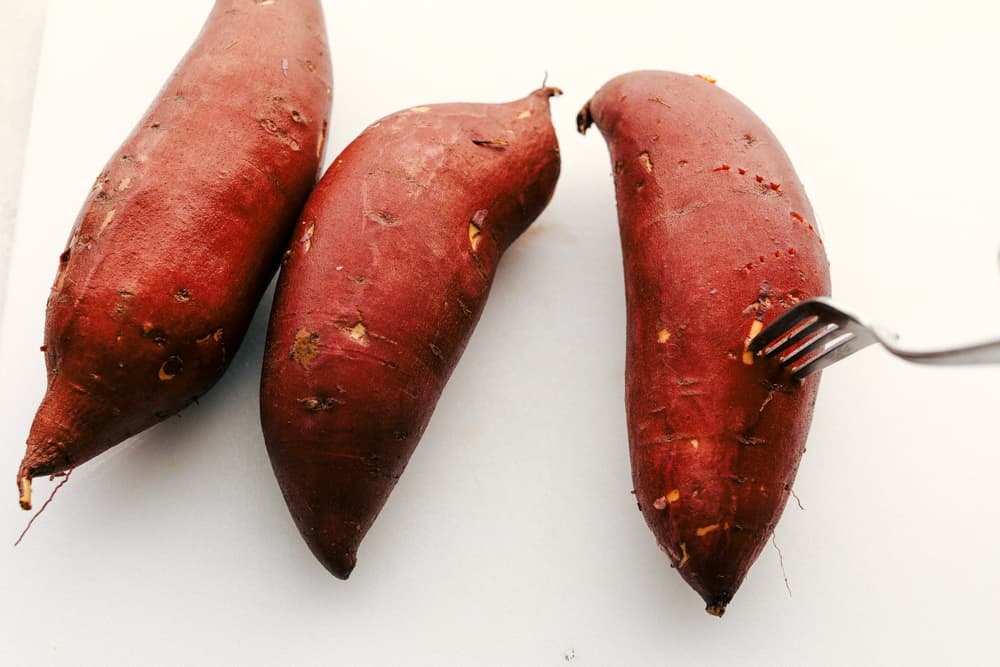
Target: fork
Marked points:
815	334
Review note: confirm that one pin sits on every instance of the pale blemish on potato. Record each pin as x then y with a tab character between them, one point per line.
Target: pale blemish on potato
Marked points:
322	140
662	502
420	109
705	530
647	163
684	555
694	443
107	220
358	332
305	348
662	336
124	183
476	228
524	114
60	279
382	217
497	143
215	335
706	77
755	328
794	296
307	237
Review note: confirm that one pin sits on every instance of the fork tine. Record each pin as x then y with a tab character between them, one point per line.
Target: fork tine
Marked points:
801	335
781	326
833	352
841	347
821	335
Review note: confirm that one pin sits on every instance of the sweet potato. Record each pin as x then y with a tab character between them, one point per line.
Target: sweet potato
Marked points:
182	232
717	239
386	276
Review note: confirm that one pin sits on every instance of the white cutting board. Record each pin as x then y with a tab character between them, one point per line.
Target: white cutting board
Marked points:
512	539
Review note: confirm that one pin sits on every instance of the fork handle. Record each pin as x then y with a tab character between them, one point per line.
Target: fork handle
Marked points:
987	352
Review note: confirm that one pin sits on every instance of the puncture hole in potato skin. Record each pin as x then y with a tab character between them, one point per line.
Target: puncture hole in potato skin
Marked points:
320	403
171	368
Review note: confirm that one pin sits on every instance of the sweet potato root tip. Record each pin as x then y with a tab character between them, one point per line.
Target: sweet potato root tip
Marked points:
584	120
340	564
716	609
55	490
25	488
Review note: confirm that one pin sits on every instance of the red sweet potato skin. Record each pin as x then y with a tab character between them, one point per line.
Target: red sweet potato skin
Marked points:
386	276
182	231
717	234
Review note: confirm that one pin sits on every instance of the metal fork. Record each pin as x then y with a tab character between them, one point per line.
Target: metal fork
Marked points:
815	334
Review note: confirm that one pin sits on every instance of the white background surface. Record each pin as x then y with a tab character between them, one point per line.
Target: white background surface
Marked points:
512	539
20	43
